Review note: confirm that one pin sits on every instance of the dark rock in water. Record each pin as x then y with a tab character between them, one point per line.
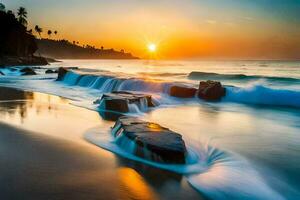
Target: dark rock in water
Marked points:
1	73
153	142
61	73
27	71
211	90
121	100
182	91
50	71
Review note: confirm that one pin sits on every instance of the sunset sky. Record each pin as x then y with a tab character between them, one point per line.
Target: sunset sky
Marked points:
246	29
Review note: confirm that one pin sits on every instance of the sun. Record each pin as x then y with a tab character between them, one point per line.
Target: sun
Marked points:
152	47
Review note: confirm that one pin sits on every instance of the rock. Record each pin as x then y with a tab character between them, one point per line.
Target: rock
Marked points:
182	91
211	90
50	71
1	73
120	101
27	71
152	141
61	73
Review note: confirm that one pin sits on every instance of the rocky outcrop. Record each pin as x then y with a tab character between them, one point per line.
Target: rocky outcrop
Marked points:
27	71
120	101
61	73
152	141
22	61
182	91
211	90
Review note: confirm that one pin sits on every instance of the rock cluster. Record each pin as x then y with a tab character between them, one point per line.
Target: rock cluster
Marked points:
208	90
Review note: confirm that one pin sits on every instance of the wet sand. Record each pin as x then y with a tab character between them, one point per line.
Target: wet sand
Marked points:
43	156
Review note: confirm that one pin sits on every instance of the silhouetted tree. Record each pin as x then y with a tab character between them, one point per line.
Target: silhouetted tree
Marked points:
49	33
15	40
22	15
102	47
2	7
39	30
10	12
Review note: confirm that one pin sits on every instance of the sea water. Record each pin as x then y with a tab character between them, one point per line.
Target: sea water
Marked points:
247	145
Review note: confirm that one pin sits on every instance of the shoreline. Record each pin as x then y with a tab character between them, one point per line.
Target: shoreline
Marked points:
9	61
42	144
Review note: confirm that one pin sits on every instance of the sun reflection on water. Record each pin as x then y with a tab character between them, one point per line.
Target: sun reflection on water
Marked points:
134	185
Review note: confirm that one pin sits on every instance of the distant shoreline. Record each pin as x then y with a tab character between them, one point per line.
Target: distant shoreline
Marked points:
63	49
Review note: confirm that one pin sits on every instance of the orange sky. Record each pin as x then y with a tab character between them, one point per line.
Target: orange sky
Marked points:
181	29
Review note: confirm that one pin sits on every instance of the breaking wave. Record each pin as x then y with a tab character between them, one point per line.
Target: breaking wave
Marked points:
261	95
257	94
242	77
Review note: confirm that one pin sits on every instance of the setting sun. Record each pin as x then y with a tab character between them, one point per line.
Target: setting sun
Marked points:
152	47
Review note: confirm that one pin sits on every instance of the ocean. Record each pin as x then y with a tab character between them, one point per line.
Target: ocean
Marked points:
247	146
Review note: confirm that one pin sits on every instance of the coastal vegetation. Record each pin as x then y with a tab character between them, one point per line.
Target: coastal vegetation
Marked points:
17	44
64	49
20	45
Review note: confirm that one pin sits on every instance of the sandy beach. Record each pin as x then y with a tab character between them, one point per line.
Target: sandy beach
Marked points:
43	156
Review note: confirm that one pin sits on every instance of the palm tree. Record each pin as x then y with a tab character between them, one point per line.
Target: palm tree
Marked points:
22	15
49	33
2	7
10	12
39	30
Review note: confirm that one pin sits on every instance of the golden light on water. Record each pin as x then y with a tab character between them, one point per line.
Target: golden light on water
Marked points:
134	186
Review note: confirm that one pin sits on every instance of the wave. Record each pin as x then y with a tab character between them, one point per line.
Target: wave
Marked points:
163	74
242	77
232	177
261	95
255	94
215	173
106	83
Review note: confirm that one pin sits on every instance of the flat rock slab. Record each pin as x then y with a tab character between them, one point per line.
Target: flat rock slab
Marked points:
153	142
121	100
